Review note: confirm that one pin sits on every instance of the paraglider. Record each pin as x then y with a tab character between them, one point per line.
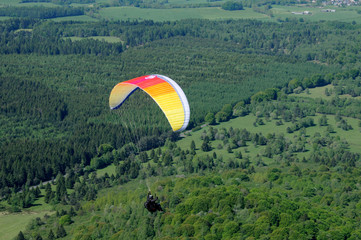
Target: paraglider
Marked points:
151	204
163	90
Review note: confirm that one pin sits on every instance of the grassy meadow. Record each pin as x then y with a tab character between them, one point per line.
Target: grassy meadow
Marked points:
9	2
319	92
341	14
82	18
279	12
352	136
215	13
132	13
11	224
108	39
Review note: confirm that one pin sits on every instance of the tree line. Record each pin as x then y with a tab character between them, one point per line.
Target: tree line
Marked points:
40	12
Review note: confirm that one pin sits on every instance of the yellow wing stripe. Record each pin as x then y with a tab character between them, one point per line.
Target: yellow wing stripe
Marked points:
165	92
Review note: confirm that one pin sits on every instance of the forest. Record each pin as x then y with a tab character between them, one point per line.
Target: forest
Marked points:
67	121
291	173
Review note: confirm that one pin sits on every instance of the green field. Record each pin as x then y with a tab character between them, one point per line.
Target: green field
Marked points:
215	13
347	14
319	92
18	4
342	14
130	13
9	2
108	39
12	224
82	18
352	136
181	2
109	170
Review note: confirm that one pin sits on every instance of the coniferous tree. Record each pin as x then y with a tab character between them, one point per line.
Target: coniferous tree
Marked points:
152	154
193	145
38	237
206	146
60	192
37	192
20	236
48	193
51	235
323	120
60	232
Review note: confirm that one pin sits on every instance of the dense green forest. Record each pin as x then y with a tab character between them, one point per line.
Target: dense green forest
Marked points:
40	12
227	182
80	75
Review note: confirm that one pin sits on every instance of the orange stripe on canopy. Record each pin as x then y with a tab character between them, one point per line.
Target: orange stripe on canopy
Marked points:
164	91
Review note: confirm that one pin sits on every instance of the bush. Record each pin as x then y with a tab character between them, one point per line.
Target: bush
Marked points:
65	220
232	6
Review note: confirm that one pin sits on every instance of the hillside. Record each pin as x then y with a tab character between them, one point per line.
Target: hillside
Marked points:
272	149
71	119
253	177
160	10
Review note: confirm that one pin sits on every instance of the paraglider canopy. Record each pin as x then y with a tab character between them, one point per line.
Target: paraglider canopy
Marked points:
163	90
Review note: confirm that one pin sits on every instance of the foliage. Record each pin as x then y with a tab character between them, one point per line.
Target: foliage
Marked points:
213	196
232	5
51	111
289	181
40	12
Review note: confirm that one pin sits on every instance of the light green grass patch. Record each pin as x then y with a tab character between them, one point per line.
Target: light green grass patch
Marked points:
108	39
132	13
342	14
36	4
186	2
81	18
318	92
23	30
9	2
240	123
82	5
353	137
104	1
12	224
109	170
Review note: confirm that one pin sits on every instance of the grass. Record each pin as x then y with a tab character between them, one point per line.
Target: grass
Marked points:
12	224
81	18
353	137
108	39
348	14
103	1
110	170
319	92
132	13
187	2
9	2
